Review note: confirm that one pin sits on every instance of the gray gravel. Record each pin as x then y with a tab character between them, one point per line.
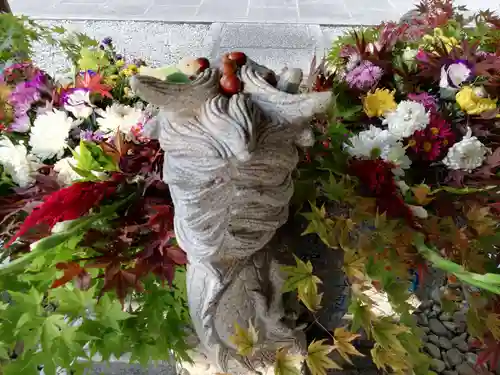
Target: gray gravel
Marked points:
158	43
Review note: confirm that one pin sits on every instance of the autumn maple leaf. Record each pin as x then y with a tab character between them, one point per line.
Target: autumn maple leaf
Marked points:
490	352
94	84
71	271
120	281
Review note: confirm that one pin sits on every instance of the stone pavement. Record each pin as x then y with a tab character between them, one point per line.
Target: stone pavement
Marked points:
328	12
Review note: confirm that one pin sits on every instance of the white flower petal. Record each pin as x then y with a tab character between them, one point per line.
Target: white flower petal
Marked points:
408	117
466	155
16	162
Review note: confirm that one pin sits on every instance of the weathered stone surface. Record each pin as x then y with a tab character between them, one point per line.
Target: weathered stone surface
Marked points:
228	164
432	349
438	328
444	343
465	369
437	365
454	356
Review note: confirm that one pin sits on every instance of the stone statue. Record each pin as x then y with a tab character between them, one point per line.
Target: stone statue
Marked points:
228	164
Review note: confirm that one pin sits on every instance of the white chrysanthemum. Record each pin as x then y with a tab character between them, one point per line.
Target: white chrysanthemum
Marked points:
376	142
119	117
16	162
78	103
408	117
49	134
466	155
65	174
370	142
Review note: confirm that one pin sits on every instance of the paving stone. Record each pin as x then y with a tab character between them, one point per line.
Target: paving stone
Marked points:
274	14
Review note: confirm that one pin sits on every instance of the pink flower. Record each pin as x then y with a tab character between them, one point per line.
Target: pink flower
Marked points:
427	100
364	76
422	56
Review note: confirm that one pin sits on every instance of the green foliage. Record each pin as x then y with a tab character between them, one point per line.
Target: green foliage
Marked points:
19	33
55	324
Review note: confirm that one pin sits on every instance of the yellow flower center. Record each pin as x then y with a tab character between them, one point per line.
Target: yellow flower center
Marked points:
412	143
434	131
427	146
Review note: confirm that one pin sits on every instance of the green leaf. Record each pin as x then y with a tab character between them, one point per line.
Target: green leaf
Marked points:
286	364
317	359
110	312
301	278
51	330
245	340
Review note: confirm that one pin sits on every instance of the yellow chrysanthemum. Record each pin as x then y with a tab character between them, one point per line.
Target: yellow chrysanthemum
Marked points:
439	37
120	63
472	103
376	103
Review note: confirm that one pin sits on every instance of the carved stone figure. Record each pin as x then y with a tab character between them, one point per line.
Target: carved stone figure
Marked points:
228	164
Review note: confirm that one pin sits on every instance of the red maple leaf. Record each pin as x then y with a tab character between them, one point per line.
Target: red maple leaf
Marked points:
120	281
69	203
93	83
490	352
71	271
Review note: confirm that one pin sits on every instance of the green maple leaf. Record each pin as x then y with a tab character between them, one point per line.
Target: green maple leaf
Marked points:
342	343
110	312
51	330
319	224
317	358
245	340
301	278
385	332
286	364
361	316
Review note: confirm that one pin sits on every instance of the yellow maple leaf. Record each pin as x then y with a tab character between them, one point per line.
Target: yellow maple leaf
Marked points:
342	342
388	360
493	324
421	193
354	266
287	364
317	358
245	340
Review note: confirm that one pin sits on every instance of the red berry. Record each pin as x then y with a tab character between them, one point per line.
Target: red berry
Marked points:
230	84
239	57
204	63
229	68
326	144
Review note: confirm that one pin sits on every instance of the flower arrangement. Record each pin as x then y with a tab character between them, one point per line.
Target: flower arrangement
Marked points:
405	171
89	259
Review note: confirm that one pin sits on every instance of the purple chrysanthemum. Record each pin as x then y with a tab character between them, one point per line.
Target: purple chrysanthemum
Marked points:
364	76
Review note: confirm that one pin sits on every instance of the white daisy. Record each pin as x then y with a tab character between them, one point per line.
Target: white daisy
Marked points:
408	117
16	162
119	117
49	134
467	155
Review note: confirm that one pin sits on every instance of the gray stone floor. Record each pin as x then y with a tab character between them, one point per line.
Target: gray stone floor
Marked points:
328	12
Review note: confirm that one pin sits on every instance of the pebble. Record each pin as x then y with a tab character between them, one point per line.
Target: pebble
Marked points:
432	314
422	320
425	305
437	365
459	316
434	339
450	372
445	343
471	358
436	308
465	369
425	329
458	339
450	326
444	317
433	350
454	357
436	295
463	347
438	328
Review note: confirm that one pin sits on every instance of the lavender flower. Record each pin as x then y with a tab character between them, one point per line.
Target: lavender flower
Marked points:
21	123
91	136
106	41
364	76
454	74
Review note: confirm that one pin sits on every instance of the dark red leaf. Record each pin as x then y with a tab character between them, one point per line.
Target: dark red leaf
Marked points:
120	281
